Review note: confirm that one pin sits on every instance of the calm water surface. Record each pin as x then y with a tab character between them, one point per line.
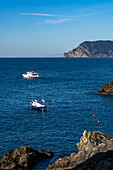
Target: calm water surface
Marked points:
72	84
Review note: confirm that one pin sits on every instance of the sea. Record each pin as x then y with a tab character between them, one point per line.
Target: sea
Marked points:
70	85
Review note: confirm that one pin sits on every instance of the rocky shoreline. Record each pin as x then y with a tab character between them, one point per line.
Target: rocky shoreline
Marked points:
23	158
95	148
95	152
106	88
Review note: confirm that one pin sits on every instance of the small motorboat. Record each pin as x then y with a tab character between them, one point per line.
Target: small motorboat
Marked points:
31	75
37	106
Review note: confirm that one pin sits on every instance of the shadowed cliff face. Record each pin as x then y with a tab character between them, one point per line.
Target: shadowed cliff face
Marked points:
91	143
92	49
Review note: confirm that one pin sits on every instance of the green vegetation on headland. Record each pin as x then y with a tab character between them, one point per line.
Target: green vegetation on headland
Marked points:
92	49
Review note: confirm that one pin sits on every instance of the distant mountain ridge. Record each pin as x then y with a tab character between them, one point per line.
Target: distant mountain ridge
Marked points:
92	49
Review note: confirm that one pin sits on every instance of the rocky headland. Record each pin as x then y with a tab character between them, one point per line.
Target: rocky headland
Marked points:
106	88
92	49
23	158
95	153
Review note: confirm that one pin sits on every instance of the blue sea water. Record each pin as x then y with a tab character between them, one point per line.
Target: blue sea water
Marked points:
72	84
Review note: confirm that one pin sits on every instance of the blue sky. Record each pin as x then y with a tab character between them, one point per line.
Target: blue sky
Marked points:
51	27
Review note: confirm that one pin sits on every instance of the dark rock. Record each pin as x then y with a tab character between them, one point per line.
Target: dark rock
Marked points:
100	161
107	88
23	158
45	155
92	49
91	143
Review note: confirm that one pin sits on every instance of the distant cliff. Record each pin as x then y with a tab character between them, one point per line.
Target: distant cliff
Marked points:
92	49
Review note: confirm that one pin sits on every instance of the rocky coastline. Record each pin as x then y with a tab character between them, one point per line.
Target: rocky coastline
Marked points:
23	158
106	88
95	152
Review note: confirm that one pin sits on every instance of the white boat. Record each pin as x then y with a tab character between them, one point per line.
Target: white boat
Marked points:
37	106
31	75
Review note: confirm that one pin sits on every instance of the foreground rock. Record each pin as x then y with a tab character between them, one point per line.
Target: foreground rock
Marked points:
23	158
92	49
91	143
107	88
100	161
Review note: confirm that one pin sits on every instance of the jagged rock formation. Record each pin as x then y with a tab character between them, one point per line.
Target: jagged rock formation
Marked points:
92	49
91	143
23	158
107	88
100	161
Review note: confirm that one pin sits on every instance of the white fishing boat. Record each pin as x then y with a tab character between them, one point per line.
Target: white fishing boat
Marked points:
37	106
31	75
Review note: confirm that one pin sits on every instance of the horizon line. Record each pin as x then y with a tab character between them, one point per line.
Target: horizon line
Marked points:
29	56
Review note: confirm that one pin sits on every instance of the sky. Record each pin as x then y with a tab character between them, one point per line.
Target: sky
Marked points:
40	28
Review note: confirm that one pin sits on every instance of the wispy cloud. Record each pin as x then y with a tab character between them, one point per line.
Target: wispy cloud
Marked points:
85	15
58	18
53	15
38	14
56	21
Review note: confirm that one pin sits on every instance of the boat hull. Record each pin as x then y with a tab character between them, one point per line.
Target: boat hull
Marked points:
39	108
28	77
